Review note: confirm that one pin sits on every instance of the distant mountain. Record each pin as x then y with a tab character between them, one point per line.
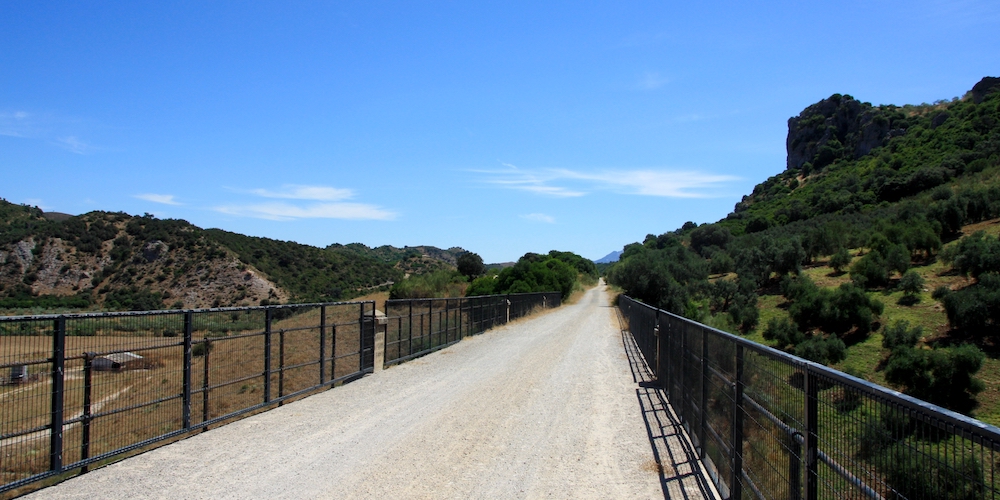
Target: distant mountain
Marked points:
609	258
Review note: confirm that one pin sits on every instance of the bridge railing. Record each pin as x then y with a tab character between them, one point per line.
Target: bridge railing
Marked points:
416	327
78	389
770	425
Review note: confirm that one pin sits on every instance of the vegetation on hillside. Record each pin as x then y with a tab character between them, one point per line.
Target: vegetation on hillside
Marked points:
114	261
821	259
310	273
556	271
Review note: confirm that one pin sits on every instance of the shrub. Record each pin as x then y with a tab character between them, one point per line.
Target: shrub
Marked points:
943	376
840	260
928	473
899	334
783	332
977	307
833	311
911	283
826	351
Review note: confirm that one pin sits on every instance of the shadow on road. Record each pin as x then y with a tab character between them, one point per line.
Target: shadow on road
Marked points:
681	476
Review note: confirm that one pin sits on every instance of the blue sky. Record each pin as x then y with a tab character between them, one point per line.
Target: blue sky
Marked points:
501	127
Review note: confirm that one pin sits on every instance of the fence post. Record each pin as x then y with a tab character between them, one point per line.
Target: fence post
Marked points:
267	355
58	387
204	385
812	429
88	391
795	467
186	389
322	345
704	393
684	377
281	366
736	488
364	336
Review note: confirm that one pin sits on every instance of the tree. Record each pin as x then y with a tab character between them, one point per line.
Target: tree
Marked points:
943	376
710	235
840	260
911	284
899	334
471	265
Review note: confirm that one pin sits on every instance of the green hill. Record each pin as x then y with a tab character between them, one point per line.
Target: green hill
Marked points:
863	253
103	260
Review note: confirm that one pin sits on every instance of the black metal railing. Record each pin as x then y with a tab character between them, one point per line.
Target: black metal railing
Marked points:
78	389
770	425
416	327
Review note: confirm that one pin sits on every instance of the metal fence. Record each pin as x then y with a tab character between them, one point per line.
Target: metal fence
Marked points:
770	425
78	389
419	326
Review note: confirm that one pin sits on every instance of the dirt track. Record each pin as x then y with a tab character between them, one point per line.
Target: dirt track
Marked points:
547	407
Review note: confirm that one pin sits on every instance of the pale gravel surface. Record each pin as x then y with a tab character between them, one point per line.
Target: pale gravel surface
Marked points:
546	407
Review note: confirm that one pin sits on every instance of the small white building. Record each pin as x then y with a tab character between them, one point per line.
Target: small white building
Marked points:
119	361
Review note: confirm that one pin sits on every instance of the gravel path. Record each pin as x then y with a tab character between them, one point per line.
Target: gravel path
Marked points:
546	407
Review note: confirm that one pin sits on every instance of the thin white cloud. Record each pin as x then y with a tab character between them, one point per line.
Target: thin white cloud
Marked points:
537	183
166	199
16	124
304	192
666	183
280	211
566	183
548	219
652	81
74	144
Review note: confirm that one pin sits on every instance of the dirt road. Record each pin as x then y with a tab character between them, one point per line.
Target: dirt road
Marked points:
547	407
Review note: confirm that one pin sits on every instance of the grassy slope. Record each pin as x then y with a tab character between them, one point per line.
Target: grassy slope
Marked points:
865	358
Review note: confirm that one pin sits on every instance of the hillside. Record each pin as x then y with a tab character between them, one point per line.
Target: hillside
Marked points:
863	253
114	261
409	260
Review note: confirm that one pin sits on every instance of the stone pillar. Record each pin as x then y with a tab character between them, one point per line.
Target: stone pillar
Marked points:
381	324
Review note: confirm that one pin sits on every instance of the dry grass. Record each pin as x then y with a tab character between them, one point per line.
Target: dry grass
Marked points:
147	401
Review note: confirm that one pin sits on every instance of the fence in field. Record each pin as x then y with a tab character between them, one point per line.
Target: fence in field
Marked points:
770	425
79	389
418	326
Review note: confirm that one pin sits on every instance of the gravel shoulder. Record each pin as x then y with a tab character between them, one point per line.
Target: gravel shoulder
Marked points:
546	407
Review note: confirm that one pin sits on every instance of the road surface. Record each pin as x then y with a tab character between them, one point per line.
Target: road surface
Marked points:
551	406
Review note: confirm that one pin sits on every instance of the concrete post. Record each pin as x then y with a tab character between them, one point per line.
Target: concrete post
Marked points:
381	325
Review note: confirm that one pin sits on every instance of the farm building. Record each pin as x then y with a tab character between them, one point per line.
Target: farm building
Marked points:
119	361
18	375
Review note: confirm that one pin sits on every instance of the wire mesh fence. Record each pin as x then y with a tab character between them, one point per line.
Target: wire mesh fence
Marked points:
79	389
770	425
416	327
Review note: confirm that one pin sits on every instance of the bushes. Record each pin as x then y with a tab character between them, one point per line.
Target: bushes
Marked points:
975	308
787	336
928	473
443	283
833	311
133	299
661	277
532	273
942	376
977	254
